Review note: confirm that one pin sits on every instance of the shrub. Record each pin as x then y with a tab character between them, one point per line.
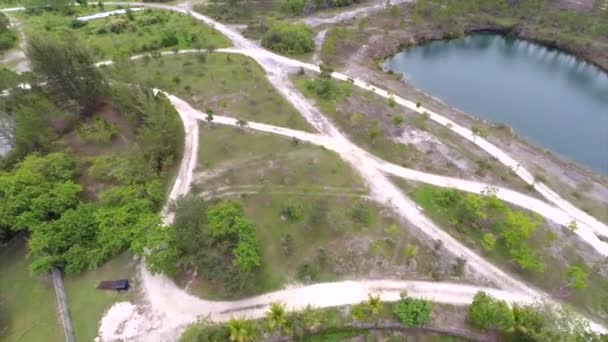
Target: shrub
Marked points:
398	120
361	214
479	131
488	313
307	273
412	312
294	7
117	25
293	39
169	40
292	209
78	23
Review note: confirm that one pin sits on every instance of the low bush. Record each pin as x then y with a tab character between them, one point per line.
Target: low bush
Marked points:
488	313
412	312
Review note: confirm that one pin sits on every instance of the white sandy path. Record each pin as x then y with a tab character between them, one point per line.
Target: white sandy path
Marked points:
272	64
380	186
535	205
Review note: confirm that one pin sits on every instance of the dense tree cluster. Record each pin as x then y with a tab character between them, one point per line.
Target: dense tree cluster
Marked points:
292	39
498	224
538	322
218	240
68	68
39	188
40	196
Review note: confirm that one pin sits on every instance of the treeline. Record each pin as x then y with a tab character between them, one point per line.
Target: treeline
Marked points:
41	190
538	323
8	38
535	323
544	13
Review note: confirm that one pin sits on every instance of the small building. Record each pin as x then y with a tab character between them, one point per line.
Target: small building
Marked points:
116	285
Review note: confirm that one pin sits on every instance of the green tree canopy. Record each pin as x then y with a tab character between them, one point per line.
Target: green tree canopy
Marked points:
67	67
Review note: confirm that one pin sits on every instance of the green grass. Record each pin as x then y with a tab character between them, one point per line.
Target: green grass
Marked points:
27	303
593	300
226	84
255	158
338	41
137	37
338	233
87	304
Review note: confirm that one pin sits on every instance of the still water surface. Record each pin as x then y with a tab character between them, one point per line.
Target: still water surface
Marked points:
551	98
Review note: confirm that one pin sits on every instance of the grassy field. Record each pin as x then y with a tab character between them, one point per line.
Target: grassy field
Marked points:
593	299
313	219
126	35
27	303
87	305
249	158
224	84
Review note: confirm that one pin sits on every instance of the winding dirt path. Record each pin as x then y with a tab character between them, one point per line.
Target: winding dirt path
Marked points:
171	308
521	200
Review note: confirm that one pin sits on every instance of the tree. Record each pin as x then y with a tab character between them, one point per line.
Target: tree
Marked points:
412	312
486	312
276	317
66	65
157	124
374	305
159	247
209	117
240	330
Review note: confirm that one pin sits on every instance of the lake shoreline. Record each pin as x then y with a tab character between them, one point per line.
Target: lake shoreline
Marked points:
557	157
507	33
420	38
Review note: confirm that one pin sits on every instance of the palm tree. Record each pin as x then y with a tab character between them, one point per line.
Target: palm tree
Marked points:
240	330
276	317
374	305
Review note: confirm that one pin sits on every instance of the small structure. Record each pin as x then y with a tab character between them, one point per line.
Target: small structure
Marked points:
116	285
